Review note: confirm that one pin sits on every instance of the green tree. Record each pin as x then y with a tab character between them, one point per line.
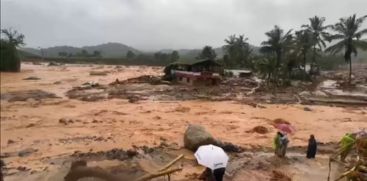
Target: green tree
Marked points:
130	54
237	51
349	35
9	58
13	37
63	54
277	43
207	53
96	53
175	56
319	34
303	41
84	53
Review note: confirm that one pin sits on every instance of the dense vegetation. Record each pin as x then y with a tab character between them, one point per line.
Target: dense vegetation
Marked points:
10	60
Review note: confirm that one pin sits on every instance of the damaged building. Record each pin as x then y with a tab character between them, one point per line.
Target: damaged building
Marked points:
194	72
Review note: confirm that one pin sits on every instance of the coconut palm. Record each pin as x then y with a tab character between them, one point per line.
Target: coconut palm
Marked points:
349	36
318	30
238	51
303	42
277	43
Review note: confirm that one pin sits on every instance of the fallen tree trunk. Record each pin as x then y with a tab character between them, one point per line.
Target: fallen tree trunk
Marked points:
337	101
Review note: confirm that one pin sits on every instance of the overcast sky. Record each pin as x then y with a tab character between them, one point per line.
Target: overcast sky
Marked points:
163	24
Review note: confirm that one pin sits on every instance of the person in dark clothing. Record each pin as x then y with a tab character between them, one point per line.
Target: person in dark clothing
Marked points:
219	173
312	147
213	175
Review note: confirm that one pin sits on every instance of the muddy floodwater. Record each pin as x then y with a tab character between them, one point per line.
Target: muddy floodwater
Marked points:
38	132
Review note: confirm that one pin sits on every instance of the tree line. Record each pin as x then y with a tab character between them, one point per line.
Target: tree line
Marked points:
286	54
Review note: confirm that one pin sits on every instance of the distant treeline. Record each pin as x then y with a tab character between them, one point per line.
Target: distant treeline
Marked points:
140	60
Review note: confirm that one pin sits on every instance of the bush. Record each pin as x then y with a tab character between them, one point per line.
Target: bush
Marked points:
9	58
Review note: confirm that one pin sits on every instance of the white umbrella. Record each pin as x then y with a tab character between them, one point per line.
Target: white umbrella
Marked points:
211	156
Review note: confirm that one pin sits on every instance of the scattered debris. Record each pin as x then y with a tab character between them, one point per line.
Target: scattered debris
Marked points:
133	99
67	121
279	176
154	80
229	147
98	73
26	152
27	94
307	109
53	64
23	168
89	91
182	109
30	125
10	141
32	78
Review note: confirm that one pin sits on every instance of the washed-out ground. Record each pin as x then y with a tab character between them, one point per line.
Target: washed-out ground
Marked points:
39	135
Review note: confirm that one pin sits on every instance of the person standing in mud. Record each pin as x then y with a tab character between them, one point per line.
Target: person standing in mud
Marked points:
213	175
277	143
281	143
312	147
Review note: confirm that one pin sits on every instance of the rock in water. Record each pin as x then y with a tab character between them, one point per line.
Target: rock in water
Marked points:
196	136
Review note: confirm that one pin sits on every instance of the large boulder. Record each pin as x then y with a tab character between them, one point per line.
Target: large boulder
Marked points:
196	136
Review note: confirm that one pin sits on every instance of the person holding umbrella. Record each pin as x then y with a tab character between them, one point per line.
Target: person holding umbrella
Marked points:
214	159
281	140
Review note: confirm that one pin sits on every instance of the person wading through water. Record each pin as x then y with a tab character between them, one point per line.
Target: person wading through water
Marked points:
312	147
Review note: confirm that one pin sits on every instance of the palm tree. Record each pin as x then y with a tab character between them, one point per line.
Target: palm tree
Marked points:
277	43
303	42
318	30
237	50
349	36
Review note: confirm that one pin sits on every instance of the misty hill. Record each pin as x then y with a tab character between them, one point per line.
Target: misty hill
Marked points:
108	50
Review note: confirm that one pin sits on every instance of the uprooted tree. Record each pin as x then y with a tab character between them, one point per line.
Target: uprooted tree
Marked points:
356	166
10	60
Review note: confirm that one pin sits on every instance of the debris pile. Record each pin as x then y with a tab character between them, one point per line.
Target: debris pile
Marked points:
98	73
27	94
153	80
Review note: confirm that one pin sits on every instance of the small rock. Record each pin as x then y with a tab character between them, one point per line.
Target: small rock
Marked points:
10	141
63	121
95	121
305	94
260	130
57	82
32	78
30	125
307	109
133	99
26	152
22	168
320	93
131	153
98	73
